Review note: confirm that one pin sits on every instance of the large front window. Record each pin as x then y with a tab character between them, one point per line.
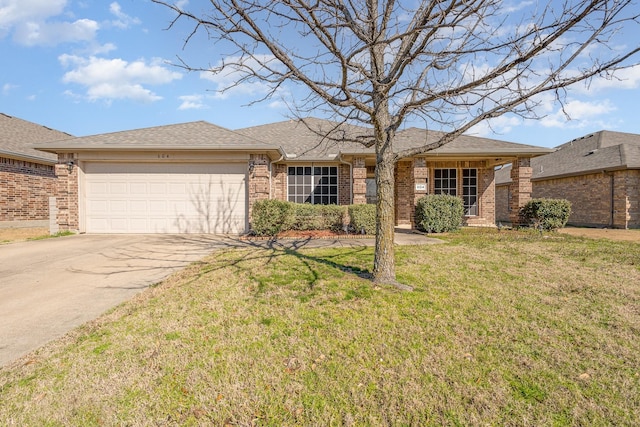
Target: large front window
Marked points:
446	182
317	185
470	191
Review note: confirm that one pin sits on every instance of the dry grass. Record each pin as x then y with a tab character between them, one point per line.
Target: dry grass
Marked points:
19	234
503	329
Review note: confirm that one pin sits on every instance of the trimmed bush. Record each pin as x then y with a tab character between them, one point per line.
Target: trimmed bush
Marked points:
363	217
269	217
547	214
439	213
317	217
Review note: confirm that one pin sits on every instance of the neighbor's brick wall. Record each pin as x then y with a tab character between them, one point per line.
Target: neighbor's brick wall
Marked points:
626	199
590	197
25	188
67	194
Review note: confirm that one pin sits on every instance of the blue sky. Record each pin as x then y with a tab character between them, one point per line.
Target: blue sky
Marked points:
88	67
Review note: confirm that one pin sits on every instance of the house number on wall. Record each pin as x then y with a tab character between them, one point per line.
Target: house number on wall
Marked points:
163	156
421	187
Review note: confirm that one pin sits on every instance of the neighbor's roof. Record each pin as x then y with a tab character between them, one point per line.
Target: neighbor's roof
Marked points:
18	136
304	140
199	135
593	153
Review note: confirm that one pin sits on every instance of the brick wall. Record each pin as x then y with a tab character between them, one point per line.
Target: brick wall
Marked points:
25	188
590	197
359	185
258	179
502	203
67	194
344	184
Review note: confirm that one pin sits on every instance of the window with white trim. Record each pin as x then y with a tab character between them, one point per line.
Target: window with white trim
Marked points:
445	182
317	185
470	191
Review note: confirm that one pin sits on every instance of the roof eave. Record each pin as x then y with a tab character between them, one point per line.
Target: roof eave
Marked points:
27	157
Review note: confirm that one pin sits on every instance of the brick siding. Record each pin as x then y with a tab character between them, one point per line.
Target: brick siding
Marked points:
590	196
502	203
25	188
67	194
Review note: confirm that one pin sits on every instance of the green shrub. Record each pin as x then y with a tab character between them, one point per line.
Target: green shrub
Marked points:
317	217
363	217
547	214
269	217
439	213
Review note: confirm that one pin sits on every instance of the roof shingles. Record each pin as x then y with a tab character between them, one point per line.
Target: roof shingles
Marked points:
18	136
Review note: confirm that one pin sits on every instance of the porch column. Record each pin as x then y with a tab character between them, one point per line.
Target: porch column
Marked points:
419	185
359	181
520	189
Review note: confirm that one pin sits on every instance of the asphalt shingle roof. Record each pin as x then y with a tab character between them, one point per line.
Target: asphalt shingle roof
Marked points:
18	136
604	150
192	135
304	140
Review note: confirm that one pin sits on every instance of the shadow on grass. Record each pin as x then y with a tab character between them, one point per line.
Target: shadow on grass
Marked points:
269	251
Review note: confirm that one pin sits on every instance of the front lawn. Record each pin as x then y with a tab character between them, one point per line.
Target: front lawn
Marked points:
503	328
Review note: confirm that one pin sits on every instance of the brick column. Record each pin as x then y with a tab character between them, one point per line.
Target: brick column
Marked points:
359	185
258	179
487	195
419	176
67	216
520	189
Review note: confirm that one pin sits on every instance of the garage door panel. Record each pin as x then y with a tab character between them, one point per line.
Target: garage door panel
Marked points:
165	198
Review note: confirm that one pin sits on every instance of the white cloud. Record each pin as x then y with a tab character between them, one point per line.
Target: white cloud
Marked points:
14	12
496	126
7	87
108	79
124	20
578	114
52	33
31	23
628	78
192	102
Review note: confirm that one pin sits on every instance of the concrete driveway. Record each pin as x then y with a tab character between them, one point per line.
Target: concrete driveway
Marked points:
49	287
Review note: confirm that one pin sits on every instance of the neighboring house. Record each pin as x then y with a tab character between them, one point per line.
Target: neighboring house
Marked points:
27	178
201	178
598	173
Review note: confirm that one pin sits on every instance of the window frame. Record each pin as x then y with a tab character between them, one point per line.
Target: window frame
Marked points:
457	182
316	185
470	209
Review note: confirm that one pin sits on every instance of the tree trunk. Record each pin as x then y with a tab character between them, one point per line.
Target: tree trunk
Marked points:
384	268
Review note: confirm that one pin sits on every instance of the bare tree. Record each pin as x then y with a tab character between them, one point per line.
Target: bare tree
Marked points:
452	63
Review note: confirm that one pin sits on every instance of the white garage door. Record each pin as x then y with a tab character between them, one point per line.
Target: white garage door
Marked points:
165	198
